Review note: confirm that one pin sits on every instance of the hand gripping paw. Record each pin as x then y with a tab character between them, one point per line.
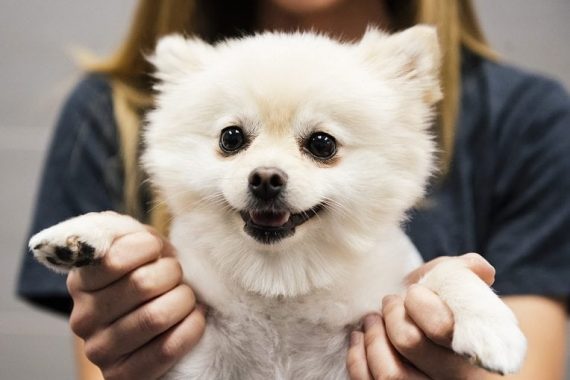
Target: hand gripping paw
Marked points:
485	330
80	241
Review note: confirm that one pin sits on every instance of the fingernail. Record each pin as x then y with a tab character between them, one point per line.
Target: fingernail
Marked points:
413	286
370	320
355	338
387	299
475	258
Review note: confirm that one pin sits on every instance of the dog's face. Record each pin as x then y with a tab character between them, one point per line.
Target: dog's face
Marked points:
293	145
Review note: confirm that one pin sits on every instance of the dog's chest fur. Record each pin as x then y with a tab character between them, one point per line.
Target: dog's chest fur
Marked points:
250	336
270	345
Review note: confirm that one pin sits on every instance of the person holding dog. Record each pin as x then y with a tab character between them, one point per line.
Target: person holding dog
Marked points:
502	136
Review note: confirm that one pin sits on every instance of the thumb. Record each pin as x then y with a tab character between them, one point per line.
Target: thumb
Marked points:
473	261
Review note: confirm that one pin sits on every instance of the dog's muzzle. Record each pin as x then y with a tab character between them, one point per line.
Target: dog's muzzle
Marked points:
268	218
271	226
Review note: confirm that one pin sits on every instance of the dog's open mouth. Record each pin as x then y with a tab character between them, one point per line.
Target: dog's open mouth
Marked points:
270	226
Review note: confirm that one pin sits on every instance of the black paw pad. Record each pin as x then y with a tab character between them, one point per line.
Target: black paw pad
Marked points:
64	254
85	256
74	253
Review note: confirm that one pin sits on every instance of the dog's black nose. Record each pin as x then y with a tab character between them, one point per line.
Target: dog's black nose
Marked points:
267	183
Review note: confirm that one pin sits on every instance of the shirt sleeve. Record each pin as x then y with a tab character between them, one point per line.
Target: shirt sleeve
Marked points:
82	173
529	234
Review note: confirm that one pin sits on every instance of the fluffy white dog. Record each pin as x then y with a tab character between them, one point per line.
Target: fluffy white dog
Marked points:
288	162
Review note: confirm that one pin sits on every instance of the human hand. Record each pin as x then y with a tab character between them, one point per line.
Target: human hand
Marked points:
411	338
132	309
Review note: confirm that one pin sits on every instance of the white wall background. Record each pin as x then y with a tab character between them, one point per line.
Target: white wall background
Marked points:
36	73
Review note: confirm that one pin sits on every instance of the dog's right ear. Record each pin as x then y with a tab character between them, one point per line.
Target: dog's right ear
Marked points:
176	57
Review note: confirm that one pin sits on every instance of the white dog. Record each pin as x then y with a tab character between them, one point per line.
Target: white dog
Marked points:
288	162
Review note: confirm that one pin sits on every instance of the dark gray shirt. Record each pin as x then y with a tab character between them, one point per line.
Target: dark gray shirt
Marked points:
506	196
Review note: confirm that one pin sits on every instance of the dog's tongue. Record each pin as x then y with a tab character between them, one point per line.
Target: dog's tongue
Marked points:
269	218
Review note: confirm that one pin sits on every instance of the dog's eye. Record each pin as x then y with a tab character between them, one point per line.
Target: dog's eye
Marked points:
231	139
321	145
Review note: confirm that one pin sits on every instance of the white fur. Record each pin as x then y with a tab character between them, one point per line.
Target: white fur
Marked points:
285	310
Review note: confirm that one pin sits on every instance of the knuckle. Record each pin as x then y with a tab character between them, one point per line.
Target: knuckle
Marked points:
150	241
441	331
72	283
111	374
177	271
413	293
114	373
82	320
80	324
113	260
142	281
170	350
184	295
408	339
125	368
169	268
188	296
96	353
198	326
151	319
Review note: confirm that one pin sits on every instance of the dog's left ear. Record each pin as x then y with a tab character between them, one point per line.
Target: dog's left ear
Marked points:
176	56
412	55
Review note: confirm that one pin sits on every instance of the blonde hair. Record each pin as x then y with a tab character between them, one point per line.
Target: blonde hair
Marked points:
129	71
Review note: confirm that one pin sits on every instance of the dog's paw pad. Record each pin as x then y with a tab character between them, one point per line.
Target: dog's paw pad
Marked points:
494	345
63	254
82	240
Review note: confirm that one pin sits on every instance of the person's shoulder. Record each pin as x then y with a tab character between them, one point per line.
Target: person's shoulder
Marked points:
96	82
86	122
513	87
92	88
89	106
516	103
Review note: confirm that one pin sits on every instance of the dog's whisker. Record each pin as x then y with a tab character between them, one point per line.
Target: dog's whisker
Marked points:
339	208
216	198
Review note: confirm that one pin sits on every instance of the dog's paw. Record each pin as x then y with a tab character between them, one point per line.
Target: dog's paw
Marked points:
491	340
62	252
80	241
485	330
